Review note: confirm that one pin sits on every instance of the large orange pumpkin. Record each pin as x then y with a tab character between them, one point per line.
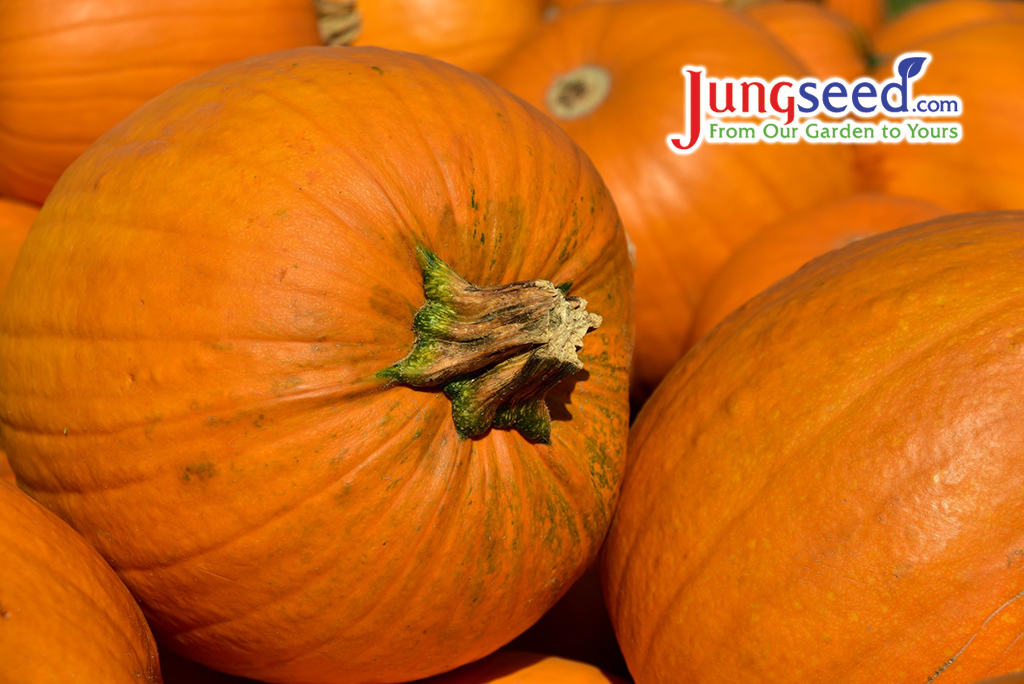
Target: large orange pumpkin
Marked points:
64	614
983	64
825	42
828	487
782	248
517	667
69	70
934	18
15	220
243	410
610	75
471	34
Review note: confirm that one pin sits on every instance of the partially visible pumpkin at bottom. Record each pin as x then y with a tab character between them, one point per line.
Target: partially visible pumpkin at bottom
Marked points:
64	614
301	477
517	667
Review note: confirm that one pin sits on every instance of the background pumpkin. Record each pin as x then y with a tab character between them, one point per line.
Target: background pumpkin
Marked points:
15	220
782	248
983	64
516	667
837	479
64	612
578	628
69	70
826	43
935	18
281	510
609	74
471	34
866	15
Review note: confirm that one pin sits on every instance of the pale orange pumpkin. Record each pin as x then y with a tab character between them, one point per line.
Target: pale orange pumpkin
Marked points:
609	74
983	64
516	667
64	614
827	44
937	17
323	404
782	248
471	34
69	70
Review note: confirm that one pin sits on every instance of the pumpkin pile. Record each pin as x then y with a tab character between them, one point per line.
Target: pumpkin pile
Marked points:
384	341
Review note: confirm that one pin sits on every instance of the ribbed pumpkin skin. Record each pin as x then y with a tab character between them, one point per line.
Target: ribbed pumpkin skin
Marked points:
686	214
837	469
782	248
983	64
513	667
64	614
933	19
825	42
15	220
471	34
69	69
249	236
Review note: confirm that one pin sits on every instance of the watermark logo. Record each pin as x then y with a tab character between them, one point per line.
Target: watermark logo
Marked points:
793	109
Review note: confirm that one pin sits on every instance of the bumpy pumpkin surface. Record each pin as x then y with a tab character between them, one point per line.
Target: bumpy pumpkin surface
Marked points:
69	70
516	667
983	64
15	220
223	412
471	34
64	614
825	42
828	487
932	19
610	75
782	248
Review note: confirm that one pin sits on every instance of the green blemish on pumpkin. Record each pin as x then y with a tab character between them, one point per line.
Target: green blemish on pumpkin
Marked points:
378	70
282	386
199	471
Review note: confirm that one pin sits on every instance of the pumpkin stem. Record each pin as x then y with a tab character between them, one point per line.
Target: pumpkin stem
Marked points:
579	92
495	351
339	21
